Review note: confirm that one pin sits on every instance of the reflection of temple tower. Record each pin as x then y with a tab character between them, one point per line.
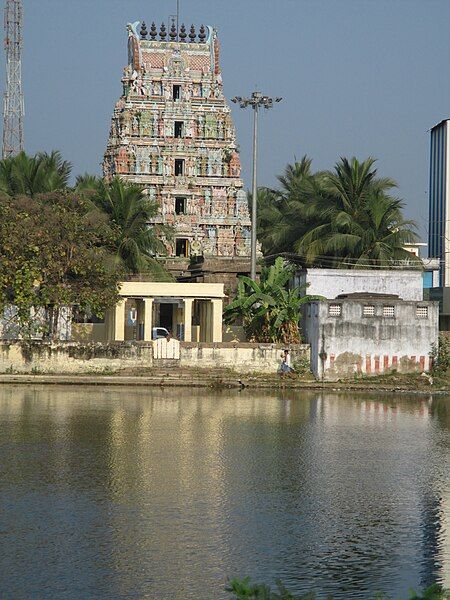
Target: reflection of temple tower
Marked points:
172	132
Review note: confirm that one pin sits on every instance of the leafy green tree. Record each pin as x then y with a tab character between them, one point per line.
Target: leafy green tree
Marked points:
361	224
87	182
129	211
343	218
269	311
440	355
24	175
293	177
284	215
55	254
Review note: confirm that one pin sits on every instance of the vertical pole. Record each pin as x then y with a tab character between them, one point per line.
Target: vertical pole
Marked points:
178	18
254	191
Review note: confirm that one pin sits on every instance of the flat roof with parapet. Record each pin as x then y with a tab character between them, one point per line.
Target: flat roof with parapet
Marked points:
151	289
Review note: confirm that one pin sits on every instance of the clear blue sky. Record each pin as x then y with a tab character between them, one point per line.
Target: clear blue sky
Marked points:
358	77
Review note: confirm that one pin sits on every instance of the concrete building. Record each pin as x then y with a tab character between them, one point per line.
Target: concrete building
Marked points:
439	198
192	311
330	283
11	327
172	133
431	267
367	334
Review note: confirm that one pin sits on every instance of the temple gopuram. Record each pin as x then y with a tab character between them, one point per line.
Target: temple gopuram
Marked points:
172	132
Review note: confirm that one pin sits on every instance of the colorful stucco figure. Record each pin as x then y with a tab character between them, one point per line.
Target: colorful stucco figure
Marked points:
172	133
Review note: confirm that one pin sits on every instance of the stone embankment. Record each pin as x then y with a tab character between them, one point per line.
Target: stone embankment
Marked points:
226	379
39	358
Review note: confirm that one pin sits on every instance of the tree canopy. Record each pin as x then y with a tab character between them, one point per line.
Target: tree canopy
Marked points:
137	243
24	175
342	218
54	250
129	211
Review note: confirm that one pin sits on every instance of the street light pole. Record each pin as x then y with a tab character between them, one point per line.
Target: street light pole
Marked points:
256	101
254	193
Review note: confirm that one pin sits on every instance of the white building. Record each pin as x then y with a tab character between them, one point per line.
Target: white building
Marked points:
364	334
330	283
439	198
371	321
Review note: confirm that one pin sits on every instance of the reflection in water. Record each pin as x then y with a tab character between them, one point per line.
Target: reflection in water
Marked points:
125	492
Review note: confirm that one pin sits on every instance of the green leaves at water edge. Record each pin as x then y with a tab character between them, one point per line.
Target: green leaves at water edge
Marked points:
245	590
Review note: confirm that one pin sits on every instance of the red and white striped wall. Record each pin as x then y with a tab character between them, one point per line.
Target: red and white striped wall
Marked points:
376	364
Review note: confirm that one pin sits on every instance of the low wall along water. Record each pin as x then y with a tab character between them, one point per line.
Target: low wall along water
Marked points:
73	357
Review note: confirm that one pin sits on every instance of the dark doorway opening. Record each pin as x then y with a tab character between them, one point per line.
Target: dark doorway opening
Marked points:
181	247
179	166
180	206
166	316
176	92
178	130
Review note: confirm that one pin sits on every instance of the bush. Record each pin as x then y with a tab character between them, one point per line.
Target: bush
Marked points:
245	590
302	365
440	355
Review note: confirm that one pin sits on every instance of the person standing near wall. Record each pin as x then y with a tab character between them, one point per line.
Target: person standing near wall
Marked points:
285	366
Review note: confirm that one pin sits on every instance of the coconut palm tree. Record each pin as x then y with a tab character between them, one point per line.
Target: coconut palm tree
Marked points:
130	211
87	182
24	175
284	215
293	176
359	222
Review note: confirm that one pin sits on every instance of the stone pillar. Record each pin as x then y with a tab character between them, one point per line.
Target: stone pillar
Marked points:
216	325
188	319
148	319
119	321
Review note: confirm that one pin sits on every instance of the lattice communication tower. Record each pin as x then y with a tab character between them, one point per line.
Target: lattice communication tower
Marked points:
13	111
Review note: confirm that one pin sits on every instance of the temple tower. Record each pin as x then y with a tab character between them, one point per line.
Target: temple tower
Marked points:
172	132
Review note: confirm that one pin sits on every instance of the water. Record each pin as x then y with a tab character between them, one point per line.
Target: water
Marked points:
135	493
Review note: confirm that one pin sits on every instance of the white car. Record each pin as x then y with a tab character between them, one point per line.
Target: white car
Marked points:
159	332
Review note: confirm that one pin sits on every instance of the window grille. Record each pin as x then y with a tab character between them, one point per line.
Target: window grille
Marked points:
388	311
335	310
369	310
422	312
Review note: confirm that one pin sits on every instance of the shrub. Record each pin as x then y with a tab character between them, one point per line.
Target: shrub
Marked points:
245	590
440	355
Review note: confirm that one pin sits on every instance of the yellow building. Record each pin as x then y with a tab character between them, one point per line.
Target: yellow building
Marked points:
190	311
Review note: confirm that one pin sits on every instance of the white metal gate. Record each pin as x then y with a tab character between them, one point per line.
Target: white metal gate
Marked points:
163	349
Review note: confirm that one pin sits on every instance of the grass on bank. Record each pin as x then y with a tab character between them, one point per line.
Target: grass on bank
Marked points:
245	590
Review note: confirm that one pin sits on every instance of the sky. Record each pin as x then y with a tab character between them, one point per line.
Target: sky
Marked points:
358	78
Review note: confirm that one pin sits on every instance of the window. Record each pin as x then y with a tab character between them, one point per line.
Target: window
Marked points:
179	166
368	310
388	311
422	312
178	129
180	206
176	92
428	279
335	310
181	247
